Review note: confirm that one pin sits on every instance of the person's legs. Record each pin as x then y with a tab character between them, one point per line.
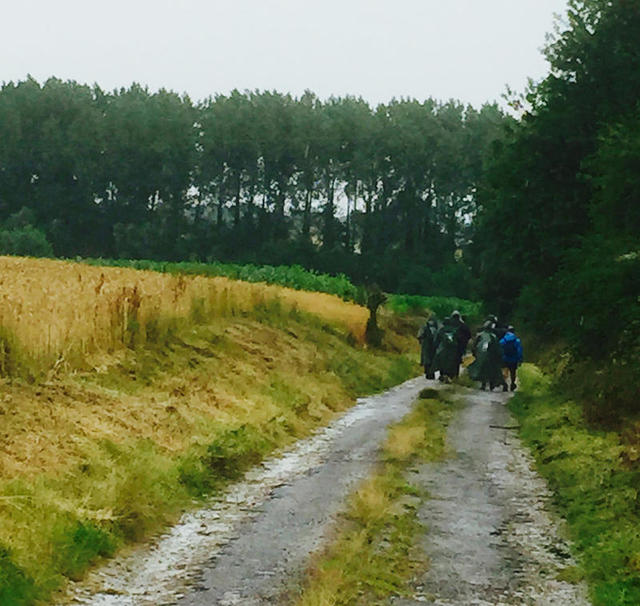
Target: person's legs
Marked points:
512	372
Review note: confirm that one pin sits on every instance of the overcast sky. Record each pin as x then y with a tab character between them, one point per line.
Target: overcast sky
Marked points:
378	49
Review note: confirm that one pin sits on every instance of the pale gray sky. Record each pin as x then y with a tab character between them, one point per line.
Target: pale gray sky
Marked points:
379	49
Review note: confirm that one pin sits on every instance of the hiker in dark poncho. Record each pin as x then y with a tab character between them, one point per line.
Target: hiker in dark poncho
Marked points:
446	346
487	366
463	336
497	327
427	337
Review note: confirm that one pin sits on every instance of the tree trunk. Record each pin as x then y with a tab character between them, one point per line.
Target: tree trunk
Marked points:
306	218
237	206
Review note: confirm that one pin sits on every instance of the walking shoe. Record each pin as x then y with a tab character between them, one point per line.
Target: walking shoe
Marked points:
513	387
505	388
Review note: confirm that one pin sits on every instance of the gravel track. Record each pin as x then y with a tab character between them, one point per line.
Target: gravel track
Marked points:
248	546
491	537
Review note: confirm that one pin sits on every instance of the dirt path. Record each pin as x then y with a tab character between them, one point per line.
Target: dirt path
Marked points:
492	539
246	548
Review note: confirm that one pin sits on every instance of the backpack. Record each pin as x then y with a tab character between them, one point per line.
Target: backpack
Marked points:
448	337
510	349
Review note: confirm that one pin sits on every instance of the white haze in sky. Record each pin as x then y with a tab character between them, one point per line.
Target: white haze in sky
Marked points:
464	49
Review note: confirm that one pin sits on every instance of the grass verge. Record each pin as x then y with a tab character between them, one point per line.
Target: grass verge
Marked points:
374	553
595	478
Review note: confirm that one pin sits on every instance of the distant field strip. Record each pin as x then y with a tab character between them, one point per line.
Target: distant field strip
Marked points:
291	276
53	311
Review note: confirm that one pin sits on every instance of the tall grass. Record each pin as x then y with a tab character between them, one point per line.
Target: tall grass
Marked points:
55	312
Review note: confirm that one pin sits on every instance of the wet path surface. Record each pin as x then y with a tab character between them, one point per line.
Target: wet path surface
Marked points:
491	537
249	547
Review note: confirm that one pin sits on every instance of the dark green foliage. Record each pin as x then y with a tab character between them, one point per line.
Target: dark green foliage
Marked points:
429	393
18	236
379	193
195	476
16	588
442	307
292	276
235	450
558	230
25	242
78	545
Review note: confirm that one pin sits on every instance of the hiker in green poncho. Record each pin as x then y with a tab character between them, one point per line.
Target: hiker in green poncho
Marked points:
446	347
427	337
487	366
463	336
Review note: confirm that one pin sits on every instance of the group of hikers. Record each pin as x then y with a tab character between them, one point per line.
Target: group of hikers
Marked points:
495	347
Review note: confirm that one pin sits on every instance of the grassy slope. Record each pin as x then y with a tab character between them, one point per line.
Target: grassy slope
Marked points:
107	455
595	478
374	554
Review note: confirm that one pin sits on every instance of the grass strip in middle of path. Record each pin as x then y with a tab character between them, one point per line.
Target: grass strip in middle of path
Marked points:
374	553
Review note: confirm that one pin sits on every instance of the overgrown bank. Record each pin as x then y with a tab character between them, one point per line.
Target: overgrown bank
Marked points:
107	451
374	554
594	475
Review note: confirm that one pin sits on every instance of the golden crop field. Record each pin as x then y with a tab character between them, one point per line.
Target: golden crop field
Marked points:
55	311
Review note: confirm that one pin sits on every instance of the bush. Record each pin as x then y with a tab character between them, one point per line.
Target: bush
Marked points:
25	241
440	306
592	303
235	450
78	545
16	588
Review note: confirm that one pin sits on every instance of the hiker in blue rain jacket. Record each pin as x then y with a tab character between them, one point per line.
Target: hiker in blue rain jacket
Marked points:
511	354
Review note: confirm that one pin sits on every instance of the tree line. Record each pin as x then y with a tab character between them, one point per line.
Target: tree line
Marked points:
384	194
558	233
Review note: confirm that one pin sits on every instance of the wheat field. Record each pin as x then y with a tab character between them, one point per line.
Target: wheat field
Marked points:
58	311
